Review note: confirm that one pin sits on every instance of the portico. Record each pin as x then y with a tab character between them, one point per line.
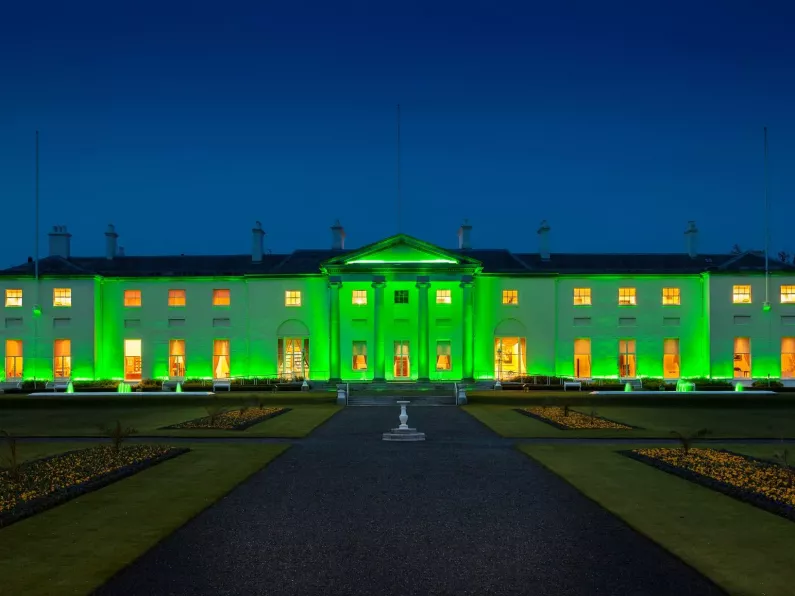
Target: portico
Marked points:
401	309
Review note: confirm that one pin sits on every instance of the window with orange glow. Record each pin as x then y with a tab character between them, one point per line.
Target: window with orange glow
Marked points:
222	297
360	355
13	297
671	296
787	295
444	297
443	355
627	297
62	297
132	298
62	359
741	294
176	298
176	358
14	360
582	296
359	297
510	296
222	366
292	298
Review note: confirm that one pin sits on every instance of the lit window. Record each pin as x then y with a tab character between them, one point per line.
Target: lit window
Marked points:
627	359
510	296
14	359
360	355
582	296
443	356
360	297
62	297
222	367
176	358
13	297
671	358
62	359
627	297
671	296
742	357
788	357
582	358
292	298
443	297
787	295
132	297
222	297
176	297
401	296
741	294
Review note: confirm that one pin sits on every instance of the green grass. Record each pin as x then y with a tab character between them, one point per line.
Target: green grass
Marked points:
148	420
656	422
76	547
741	548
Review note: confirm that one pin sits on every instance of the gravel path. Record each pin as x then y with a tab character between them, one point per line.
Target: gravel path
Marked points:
463	513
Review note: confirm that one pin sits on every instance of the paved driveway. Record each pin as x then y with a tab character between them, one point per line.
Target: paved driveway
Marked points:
463	513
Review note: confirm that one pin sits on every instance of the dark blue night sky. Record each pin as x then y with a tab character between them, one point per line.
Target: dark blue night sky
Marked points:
183	124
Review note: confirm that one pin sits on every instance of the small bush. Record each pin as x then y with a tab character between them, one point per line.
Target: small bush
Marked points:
117	434
765	384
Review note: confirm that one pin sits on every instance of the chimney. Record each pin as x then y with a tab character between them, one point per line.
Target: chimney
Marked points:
110	242
59	242
465	235
691	239
257	235
543	240
337	236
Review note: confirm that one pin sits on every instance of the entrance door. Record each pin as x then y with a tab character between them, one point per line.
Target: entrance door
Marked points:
294	357
627	363
132	359
402	365
509	357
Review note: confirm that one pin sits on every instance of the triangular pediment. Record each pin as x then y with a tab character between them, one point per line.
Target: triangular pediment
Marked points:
401	251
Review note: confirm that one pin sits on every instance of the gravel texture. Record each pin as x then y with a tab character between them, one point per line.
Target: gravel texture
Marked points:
461	513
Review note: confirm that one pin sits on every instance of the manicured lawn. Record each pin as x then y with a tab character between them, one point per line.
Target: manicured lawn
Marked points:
149	419
653	421
76	547
742	548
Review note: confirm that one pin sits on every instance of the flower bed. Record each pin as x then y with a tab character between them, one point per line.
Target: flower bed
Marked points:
232	419
570	420
762	483
47	482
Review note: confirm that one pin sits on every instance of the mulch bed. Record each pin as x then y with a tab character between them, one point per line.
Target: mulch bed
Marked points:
586	422
231	419
53	480
765	475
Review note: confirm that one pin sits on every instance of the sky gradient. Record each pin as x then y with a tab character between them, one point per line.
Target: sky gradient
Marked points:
182	124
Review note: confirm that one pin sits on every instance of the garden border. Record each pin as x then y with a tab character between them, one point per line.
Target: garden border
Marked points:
562	427
45	502
740	494
240	427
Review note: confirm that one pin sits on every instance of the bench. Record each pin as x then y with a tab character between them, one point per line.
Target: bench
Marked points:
10	384
226	383
572	384
57	384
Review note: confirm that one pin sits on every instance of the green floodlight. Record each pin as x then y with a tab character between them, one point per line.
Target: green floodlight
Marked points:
36	310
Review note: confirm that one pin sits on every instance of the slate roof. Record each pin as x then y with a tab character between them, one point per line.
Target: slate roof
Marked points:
495	261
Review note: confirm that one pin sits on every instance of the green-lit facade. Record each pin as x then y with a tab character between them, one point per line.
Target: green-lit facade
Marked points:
400	310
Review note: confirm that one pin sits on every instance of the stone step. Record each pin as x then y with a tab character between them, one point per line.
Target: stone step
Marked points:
391	400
